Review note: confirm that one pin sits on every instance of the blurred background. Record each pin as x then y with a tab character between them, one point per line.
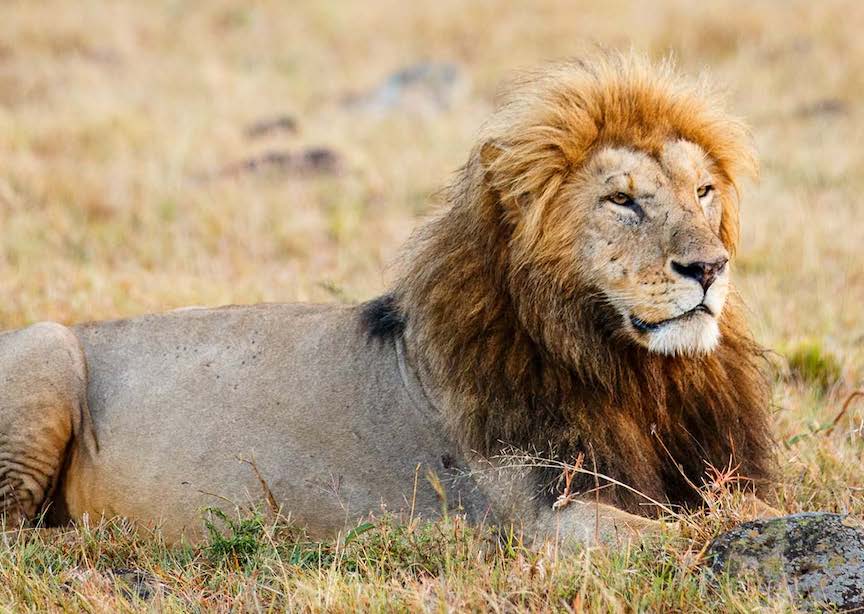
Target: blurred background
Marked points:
166	153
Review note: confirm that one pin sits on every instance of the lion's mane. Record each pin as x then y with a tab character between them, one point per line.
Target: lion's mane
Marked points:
522	355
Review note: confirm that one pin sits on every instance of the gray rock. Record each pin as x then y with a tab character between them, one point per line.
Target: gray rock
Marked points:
817	558
425	88
267	126
312	161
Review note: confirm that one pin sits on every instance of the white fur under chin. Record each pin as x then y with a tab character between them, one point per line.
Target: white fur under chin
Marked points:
693	336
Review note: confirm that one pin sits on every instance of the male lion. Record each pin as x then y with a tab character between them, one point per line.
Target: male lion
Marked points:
572	301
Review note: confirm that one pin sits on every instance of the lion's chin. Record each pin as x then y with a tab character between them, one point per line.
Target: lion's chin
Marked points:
692	336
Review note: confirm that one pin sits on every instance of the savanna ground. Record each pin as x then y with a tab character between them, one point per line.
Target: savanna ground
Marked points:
128	185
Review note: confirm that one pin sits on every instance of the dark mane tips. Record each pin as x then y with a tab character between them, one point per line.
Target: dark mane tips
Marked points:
382	318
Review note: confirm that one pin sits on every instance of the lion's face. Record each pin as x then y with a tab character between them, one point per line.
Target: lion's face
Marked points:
647	235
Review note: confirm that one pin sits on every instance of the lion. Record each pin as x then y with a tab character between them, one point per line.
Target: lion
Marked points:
570	307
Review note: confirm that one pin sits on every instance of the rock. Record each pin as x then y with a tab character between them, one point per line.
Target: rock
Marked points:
279	163
137	583
425	88
822	108
279	124
818	558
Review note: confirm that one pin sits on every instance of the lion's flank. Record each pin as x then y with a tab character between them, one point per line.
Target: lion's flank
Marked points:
517	359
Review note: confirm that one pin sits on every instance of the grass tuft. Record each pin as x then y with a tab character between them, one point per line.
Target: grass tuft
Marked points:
812	365
239	542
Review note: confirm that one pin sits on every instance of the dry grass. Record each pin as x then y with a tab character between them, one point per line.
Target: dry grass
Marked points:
116	116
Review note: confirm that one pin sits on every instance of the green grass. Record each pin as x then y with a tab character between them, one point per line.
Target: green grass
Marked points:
812	365
253	564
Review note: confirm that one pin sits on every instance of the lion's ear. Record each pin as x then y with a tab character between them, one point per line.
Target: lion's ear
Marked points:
490	151
518	188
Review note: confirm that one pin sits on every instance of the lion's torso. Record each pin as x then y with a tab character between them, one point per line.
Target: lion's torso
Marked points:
183	403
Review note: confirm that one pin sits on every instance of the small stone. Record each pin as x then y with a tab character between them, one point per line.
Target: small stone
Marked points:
272	125
815	557
309	162
425	88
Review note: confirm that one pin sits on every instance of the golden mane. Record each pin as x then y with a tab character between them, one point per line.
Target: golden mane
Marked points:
551	121
518	360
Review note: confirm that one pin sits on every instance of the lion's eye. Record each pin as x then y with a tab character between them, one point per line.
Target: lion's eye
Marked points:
620	198
704	190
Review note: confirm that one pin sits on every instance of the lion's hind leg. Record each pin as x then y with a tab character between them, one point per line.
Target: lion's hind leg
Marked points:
43	407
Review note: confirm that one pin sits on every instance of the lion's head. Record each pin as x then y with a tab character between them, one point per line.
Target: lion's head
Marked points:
573	293
620	179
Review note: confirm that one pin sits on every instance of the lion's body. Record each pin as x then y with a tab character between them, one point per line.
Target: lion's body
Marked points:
570	302
182	404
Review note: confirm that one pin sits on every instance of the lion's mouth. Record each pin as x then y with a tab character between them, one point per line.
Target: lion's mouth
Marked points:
648	327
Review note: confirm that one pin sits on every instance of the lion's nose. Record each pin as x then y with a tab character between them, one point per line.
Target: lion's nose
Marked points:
703	272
